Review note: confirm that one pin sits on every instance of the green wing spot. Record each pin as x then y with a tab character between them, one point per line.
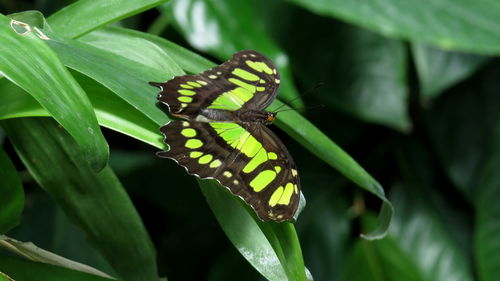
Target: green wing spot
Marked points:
255	162
185	86
202	82
187	92
272	156
262	180
276	196
195	154
277	169
193	143
185	99
225	101
287	194
260	66
245	74
242	93
227	174
240	139
194	84
205	159
216	163
188	133
242	84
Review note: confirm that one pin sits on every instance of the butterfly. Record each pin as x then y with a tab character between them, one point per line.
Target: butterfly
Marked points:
223	134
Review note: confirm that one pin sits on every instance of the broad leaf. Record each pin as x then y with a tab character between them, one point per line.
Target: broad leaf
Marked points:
487	230
461	125
438	69
450	24
355	71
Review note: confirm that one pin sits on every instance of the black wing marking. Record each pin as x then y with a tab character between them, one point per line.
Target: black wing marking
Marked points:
187	95
229	172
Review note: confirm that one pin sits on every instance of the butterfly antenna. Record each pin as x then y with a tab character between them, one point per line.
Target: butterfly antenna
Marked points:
303	108
320	84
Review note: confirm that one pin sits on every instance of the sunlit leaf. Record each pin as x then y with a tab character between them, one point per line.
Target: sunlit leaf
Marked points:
28	62
84	16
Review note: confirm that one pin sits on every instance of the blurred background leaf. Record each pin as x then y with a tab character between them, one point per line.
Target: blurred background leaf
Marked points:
12	199
453	25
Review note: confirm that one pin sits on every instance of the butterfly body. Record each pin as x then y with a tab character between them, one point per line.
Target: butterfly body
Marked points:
224	135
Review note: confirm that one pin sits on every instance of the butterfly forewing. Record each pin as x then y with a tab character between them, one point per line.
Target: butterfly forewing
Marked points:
249	80
242	154
247	159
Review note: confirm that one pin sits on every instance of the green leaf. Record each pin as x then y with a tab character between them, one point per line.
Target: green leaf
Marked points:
217	26
4	277
487	228
364	264
187	60
325	149
359	72
12	194
58	234
449	24
126	43
420	246
96	202
84	16
438	69
34	253
430	237
29	63
112	112
23	270
258	242
126	78
324	227
460	126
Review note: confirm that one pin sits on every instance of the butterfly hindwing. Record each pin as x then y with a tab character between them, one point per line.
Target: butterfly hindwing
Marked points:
248	159
248	80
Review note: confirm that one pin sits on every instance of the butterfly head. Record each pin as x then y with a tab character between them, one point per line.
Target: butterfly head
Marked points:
271	116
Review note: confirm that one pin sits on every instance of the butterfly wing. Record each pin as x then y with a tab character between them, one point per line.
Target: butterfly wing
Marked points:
248	159
248	80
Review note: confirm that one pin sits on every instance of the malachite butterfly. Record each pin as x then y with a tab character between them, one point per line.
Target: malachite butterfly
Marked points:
224	135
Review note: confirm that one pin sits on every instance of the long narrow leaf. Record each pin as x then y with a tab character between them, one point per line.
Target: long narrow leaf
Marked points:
319	144
86	15
257	243
32	65
23	270
94	201
34	253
